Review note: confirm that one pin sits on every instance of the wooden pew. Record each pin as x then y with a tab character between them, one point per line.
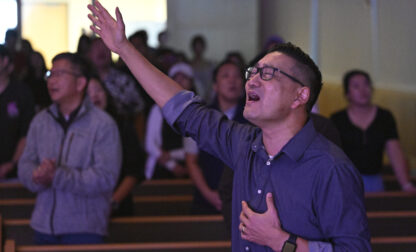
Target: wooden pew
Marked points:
141	229
149	187
389	244
390	201
198	246
145	206
181	204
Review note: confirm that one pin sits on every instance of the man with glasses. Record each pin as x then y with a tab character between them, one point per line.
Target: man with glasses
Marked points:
293	189
71	160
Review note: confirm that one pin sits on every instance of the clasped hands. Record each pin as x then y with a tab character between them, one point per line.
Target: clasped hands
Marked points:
263	229
45	172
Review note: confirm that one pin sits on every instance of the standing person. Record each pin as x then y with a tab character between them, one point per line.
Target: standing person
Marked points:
203	67
16	111
133	158
293	189
72	160
204	169
121	86
368	130
164	146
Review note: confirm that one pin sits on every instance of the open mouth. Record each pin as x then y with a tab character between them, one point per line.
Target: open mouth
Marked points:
253	96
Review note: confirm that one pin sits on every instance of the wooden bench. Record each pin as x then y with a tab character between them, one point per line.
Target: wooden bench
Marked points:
198	246
181	204
145	206
141	229
16	190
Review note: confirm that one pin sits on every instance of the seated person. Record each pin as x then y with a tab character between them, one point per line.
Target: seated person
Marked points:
366	131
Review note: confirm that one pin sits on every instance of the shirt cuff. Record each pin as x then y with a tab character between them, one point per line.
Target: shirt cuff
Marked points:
315	246
177	104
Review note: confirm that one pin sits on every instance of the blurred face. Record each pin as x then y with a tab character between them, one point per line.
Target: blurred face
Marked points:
229	83
65	85
272	100
99	54
183	80
359	90
97	94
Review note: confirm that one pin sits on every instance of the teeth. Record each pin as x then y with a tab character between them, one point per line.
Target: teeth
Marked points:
253	97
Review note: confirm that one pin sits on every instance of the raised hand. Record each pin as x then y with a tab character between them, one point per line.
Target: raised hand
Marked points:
110	30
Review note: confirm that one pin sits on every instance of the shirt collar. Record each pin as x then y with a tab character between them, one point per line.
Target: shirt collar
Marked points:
296	146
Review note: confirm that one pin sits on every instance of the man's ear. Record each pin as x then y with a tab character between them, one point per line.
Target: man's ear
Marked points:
302	97
81	83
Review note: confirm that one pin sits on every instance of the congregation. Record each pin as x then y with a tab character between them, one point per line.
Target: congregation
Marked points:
84	134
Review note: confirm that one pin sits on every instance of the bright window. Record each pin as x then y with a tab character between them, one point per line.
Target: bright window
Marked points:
8	17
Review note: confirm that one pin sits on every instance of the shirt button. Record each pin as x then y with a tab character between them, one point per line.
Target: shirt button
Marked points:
247	248
259	191
268	163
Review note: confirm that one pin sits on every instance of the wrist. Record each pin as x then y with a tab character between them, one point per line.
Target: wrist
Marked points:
277	240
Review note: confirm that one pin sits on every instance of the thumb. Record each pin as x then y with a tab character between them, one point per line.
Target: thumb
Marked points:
270	202
119	17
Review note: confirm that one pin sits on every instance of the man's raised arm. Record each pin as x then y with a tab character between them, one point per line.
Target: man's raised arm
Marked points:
159	86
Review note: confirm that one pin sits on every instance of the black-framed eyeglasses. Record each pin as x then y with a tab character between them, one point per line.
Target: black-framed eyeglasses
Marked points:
58	73
267	73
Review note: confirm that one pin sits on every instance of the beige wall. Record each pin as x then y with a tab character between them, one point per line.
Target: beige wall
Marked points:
227	25
345	37
54	26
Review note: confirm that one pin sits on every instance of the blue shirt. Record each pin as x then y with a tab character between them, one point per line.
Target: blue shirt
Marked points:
317	191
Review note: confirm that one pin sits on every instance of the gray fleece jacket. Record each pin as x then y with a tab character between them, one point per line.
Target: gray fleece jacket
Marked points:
88	160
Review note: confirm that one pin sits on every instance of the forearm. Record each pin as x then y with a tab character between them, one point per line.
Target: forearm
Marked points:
398	161
196	174
19	150
159	86
125	187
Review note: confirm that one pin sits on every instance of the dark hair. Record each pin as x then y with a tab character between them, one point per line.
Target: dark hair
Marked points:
198	39
78	63
304	67
5	53
348	75
141	34
223	63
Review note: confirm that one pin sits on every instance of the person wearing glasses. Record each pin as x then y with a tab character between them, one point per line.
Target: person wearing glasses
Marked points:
367	131
72	160
293	189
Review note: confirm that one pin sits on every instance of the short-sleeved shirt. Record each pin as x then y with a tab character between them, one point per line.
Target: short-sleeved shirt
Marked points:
316	189
365	147
16	111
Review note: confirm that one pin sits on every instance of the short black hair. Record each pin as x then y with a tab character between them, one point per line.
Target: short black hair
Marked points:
78	63
223	63
5	53
348	75
198	39
141	34
304	66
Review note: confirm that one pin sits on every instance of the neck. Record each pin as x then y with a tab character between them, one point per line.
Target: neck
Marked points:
225	104
360	108
66	108
276	136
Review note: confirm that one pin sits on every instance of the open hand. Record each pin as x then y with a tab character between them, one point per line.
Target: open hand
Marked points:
110	30
263	229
